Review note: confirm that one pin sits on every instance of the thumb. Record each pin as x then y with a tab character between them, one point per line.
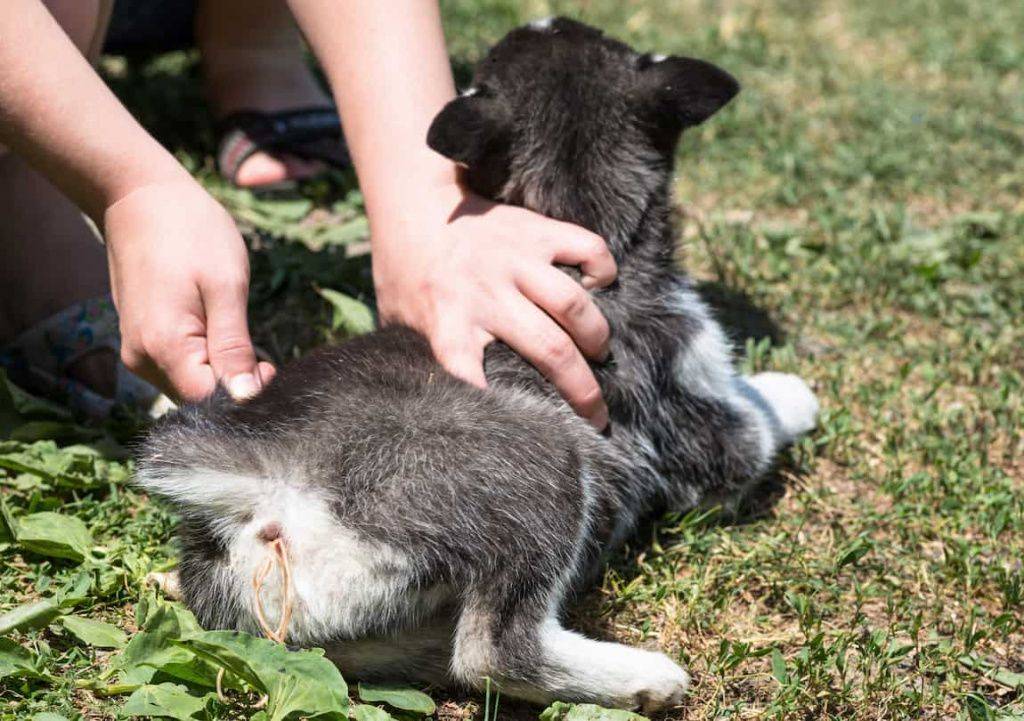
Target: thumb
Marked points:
228	344
463	360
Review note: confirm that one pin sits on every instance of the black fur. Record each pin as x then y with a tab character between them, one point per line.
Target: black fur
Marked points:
501	498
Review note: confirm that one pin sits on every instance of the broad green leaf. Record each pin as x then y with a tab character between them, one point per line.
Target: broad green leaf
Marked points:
399	697
31	406
224	655
189	668
999	674
560	711
55	535
53	430
32	615
853	552
48	716
296	682
342	233
172	616
7	524
75	591
350	315
285	210
16	661
166	700
153	647
365	712
779	667
95	633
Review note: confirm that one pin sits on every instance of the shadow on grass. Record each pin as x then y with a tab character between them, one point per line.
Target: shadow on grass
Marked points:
740	316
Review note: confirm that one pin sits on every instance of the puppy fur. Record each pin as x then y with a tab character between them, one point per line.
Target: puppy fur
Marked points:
435	529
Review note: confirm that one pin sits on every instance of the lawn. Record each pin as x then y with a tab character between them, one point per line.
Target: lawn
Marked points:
857	214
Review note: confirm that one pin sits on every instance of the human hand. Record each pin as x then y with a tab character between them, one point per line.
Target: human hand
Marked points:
464	271
180	279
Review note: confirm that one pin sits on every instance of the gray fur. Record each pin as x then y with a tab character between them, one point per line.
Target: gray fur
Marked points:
435	528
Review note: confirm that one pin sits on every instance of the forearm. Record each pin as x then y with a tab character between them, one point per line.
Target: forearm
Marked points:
388	68
57	112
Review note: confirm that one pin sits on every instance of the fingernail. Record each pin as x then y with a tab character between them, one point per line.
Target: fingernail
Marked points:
243	386
600	419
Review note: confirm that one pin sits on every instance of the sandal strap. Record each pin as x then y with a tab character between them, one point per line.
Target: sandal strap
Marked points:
296	131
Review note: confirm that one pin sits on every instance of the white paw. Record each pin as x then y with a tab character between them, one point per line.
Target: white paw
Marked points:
657	683
791	399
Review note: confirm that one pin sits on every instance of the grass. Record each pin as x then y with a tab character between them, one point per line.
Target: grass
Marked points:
858	211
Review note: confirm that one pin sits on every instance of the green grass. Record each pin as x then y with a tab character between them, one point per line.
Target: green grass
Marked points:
858	210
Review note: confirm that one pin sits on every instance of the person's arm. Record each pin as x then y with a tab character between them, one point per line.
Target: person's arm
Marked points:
179	270
460	269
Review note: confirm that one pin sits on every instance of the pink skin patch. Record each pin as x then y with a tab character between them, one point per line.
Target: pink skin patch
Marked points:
270	532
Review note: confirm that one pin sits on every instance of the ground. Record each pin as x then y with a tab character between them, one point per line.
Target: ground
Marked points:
857	215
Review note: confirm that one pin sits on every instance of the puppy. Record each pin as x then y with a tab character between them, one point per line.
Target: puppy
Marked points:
434	530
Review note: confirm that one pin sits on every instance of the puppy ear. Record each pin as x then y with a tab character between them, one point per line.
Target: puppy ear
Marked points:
680	92
469	128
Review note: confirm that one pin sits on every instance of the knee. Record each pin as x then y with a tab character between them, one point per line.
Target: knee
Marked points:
84	22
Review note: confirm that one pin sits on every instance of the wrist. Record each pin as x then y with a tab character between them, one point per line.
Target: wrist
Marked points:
134	205
406	211
132	182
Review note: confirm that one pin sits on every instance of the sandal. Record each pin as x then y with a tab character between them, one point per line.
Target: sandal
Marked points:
38	360
307	134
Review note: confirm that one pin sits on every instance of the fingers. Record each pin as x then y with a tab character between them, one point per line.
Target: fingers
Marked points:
461	353
228	344
575	246
190	378
570	306
266	372
537	338
175	364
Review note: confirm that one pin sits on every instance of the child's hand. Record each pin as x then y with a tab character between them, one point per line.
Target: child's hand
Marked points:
180	278
465	271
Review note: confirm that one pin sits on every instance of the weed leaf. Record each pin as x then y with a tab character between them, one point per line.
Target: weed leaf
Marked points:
350	315
166	700
153	648
16	661
406	699
54	535
779	667
1000	675
560	711
95	633
30	616
853	552
296	682
366	712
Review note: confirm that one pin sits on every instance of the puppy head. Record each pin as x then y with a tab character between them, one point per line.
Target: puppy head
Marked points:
556	101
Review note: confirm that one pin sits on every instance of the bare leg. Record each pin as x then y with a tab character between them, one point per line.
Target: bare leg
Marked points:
254	59
49	257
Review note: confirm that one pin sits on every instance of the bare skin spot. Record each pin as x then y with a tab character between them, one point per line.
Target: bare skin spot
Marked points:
270	532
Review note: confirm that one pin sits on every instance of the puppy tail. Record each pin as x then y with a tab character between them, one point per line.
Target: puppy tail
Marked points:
200	459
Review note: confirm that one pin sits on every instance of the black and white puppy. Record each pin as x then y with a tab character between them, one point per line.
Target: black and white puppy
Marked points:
434	530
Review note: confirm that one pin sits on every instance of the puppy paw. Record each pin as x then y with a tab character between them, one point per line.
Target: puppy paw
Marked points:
660	683
791	399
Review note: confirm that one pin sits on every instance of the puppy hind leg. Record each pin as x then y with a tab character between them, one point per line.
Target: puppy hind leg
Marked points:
532	657
786	400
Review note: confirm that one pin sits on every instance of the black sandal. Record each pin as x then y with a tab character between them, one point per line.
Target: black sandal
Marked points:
306	133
